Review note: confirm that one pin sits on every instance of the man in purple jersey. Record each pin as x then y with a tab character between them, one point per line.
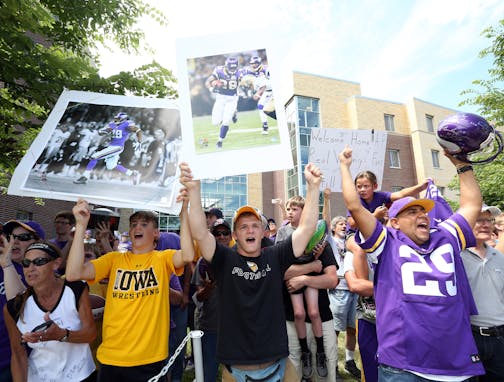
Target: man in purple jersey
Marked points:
223	82
119	130
423	298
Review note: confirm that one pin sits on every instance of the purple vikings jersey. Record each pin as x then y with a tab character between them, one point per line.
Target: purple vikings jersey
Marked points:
423	300
380	198
229	80
120	132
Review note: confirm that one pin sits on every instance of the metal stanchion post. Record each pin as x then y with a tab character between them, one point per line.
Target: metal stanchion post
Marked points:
198	357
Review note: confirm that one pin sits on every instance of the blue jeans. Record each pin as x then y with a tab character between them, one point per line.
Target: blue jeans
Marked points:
177	334
208	351
391	374
273	373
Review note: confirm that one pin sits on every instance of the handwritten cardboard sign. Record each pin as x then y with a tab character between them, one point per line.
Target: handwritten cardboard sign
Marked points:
368	153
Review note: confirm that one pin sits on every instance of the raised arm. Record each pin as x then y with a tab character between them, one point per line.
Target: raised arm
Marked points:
326	209
186	253
197	219
12	281
410	191
470	193
309	217
364	219
76	268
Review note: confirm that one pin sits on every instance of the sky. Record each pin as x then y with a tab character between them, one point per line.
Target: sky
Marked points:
395	49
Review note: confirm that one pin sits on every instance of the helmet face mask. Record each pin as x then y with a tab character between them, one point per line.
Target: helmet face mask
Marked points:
470	138
231	65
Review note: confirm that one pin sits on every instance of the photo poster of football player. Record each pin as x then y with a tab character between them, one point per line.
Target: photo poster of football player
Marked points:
118	151
229	110
368	153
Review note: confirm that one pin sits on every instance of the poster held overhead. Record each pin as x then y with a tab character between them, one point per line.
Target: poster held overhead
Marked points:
119	151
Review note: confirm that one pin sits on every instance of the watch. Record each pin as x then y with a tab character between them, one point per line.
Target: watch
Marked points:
65	337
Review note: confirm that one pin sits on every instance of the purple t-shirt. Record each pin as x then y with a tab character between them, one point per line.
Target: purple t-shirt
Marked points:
379	198
5	350
423	300
168	240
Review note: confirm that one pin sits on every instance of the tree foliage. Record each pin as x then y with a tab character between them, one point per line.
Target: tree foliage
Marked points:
488	95
50	45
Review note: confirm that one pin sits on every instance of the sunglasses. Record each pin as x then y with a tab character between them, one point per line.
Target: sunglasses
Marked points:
21	237
39	261
221	233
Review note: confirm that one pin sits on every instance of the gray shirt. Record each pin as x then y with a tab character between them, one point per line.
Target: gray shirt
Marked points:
283	233
486	277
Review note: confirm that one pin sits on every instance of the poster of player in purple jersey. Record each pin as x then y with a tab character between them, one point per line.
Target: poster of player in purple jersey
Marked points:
228	106
111	150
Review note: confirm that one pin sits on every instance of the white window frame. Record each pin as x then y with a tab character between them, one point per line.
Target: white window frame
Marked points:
389	122
429	122
435	158
394	157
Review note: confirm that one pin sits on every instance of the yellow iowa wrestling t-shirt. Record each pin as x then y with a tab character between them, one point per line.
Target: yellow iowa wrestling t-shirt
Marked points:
136	320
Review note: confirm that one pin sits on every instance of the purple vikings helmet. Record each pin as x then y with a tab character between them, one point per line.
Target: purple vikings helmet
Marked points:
255	62
469	138
121	116
231	64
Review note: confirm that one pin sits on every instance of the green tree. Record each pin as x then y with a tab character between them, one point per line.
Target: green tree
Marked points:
488	95
49	45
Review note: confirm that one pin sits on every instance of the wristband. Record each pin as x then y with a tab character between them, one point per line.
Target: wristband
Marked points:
463	169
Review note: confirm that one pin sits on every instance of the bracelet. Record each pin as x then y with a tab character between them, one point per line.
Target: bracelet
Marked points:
7	266
461	170
65	337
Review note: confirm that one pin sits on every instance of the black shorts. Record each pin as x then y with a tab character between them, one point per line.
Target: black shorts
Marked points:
138	373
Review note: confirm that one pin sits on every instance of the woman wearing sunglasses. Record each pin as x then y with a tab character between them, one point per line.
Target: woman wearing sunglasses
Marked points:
17	236
53	318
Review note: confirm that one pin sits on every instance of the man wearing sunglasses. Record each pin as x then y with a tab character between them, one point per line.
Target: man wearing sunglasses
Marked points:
205	298
18	236
484	266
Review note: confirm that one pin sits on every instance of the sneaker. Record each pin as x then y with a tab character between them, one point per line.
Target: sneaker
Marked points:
219	144
81	180
321	364
306	364
264	132
235	117
351	368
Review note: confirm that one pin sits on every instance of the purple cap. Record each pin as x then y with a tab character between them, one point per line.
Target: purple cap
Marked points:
30	226
401	204
215	212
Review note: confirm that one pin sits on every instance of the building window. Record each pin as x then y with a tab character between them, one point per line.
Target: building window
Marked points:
24	215
396	188
441	190
394	159
435	158
389	122
429	121
308	112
